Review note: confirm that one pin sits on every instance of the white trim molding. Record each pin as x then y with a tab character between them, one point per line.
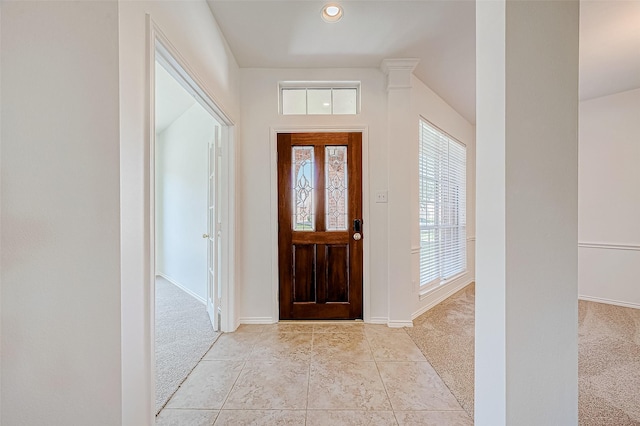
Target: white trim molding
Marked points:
182	287
425	291
399	324
608	246
162	50
378	320
399	72
366	280
439	294
609	302
257	320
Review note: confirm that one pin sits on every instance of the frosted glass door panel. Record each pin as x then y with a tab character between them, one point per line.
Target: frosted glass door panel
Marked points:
303	172
336	188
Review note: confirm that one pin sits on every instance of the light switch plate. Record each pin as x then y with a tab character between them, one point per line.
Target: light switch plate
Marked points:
381	197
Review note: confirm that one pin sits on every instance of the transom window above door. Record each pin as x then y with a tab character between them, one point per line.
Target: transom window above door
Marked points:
319	98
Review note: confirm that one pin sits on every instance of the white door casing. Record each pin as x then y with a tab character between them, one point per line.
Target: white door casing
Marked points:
213	234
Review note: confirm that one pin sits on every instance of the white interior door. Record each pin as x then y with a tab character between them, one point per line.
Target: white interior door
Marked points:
213	231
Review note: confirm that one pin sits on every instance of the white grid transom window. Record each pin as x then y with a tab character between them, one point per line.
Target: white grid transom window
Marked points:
319	98
442	199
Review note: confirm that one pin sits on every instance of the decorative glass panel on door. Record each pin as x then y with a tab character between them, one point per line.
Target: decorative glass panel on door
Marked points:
302	169
336	188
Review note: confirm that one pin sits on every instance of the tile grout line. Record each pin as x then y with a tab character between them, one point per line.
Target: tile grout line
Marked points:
306	412
226	398
244	364
188	375
216	418
384	386
368	337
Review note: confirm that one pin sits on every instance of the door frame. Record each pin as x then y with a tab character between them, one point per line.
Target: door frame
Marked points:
275	277
159	46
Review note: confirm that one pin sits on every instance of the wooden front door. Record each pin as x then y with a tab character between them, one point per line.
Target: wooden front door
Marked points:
320	225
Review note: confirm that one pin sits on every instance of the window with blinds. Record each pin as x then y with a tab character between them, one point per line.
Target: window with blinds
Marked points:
442	174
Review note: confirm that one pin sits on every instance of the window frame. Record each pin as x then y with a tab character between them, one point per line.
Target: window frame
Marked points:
318	85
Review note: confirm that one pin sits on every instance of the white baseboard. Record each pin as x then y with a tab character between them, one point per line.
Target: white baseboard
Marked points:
399	324
182	287
256	320
440	294
372	320
609	302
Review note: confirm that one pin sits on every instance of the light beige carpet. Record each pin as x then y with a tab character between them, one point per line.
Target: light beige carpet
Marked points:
608	364
183	335
445	334
608	356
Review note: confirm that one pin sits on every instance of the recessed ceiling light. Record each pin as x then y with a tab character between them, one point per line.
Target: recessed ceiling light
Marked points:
332	12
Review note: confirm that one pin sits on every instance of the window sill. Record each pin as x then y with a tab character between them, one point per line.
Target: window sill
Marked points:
425	291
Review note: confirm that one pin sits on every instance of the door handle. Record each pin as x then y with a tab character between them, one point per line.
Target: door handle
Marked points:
205	235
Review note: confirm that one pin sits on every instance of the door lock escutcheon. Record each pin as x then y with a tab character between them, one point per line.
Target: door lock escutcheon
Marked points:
357	229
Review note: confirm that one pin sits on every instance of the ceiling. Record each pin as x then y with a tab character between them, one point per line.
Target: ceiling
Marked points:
609	47
291	34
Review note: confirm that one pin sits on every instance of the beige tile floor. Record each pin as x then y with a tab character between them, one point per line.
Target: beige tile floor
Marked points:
313	374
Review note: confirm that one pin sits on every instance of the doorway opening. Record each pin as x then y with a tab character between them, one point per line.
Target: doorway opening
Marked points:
191	178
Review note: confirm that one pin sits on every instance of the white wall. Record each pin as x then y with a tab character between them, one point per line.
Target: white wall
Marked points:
609	199
60	260
193	31
181	200
0	214
429	105
257	239
527	213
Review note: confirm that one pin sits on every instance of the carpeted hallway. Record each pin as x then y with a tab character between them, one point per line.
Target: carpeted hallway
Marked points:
183	335
608	356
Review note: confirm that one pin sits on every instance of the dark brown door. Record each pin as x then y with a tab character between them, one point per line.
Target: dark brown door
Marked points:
320	225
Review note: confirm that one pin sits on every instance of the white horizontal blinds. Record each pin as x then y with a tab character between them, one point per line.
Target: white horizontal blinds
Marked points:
433	150
454	241
442	202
